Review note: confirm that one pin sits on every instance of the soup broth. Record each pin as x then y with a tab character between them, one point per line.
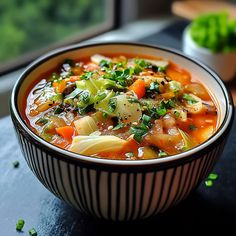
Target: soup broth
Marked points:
121	107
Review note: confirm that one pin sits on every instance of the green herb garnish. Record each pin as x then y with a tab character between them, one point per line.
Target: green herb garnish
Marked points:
212	176
58	110
20	224
112	104
189	99
192	127
119	126
42	121
87	75
146	119
139	132
129	154
33	232
209	183
162	154
104	63
16	164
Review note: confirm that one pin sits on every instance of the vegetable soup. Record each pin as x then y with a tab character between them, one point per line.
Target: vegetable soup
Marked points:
121	107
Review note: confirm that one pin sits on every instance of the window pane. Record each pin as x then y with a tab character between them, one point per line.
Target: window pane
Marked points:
28	25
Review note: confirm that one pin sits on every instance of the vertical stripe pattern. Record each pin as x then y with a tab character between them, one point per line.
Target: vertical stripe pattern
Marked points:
117	195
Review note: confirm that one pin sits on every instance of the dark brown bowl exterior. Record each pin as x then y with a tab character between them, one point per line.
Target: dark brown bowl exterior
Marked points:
113	191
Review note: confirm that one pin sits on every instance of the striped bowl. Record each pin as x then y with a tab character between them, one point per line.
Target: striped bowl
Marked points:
120	190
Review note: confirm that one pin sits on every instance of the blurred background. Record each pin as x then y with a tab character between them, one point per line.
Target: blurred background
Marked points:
31	28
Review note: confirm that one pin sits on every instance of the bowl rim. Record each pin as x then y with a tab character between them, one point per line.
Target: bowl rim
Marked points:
67	155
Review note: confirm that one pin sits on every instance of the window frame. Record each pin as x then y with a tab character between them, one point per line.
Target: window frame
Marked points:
112	22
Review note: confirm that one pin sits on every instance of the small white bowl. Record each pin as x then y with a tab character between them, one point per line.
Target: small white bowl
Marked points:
223	63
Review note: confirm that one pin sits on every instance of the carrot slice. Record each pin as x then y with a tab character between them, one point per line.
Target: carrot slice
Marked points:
66	132
138	87
60	86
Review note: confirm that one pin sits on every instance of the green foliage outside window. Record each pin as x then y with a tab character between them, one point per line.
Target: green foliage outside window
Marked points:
27	25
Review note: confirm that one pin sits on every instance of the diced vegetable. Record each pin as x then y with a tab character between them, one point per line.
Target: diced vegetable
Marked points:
45	106
97	58
138	87
85	125
193	103
59	85
198	90
146	153
126	111
188	142
171	144
90	145
66	132
33	232
174	86
20	224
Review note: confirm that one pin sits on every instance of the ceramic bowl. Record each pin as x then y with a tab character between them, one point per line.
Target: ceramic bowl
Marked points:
222	63
120	190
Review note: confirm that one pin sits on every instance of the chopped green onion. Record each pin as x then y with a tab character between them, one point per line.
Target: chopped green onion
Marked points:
42	121
87	75
189	99
104	115
119	126
192	127
129	154
162	154
33	232
58	110
161	111
137	69
146	119
209	183
20	224
212	176
154	86
177	113
139	132
73	94
15	164
112	104
99	97
104	63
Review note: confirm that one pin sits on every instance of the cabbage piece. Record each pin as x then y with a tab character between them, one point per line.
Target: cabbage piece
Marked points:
97	58
188	142
127	111
103	104
85	125
158	63
90	145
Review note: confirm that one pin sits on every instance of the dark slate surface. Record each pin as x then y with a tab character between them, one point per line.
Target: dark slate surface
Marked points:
23	196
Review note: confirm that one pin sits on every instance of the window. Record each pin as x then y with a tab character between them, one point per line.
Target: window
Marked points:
29	28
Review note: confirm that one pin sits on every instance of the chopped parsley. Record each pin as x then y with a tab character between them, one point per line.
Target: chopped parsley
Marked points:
112	104
139	132
119	126
192	127
87	75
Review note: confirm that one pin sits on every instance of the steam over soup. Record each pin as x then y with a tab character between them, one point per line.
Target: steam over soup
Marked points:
121	107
